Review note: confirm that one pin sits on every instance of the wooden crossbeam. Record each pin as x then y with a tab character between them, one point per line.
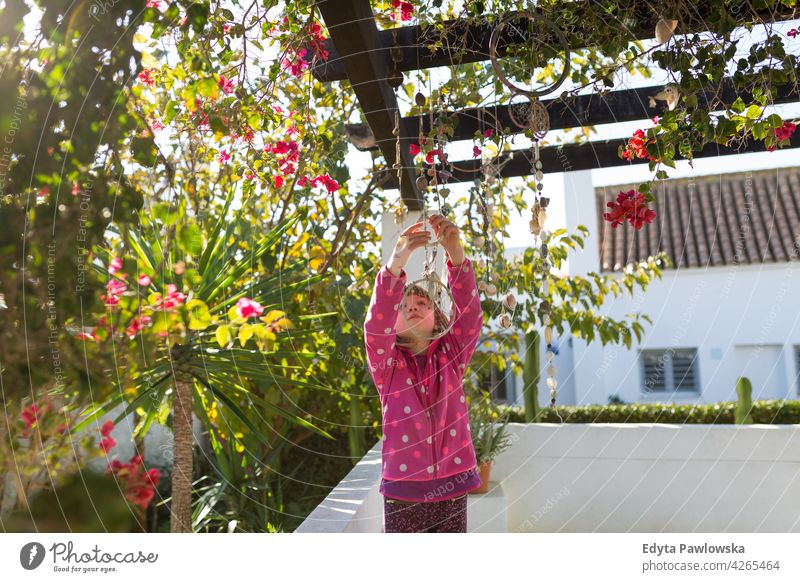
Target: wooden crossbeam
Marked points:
355	37
594	109
586	156
468	43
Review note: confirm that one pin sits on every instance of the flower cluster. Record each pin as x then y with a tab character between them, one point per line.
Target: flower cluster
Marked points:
406	10
173	299
325	180
248	308
114	288
298	61
139	485
784	132
225	84
630	206
637	147
32	414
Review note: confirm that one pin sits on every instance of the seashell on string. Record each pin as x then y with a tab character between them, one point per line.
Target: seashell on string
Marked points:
491	289
505	320
481	263
479	241
482	285
669	94
665	29
510	301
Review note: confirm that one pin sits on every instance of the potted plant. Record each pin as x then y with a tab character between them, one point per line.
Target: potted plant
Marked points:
489	438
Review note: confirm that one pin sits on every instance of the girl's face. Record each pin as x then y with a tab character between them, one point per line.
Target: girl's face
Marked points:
420	315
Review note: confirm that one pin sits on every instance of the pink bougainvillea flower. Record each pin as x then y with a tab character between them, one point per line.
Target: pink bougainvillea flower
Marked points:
155	4
488	132
406	10
76	189
226	84
317	41
174	297
139	485
144	280
107	427
224	156
476	151
330	184
298	65
637	147
655	120
436	152
30	415
303	181
107	444
146	77
248	308
792	33
413	149
85	336
278	181
785	131
630	206
138	324
114	288
156	125
115	265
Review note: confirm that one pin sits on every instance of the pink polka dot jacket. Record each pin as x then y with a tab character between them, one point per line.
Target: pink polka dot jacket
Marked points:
425	419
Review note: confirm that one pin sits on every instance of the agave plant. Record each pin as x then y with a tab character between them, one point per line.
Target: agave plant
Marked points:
195	344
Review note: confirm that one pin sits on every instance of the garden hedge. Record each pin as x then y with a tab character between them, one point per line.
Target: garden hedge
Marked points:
763	412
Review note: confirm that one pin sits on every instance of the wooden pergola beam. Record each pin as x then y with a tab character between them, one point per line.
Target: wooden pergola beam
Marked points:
465	43
574	157
594	109
365	62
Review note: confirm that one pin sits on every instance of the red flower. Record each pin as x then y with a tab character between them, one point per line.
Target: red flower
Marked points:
224	156
86	336
413	149
225	84
138	324
785	131
279	181
303	181
297	66
146	77
248	308
76	189
173	299
406	9
330	184
115	288
629	206
792	33
144	280
476	151
107	427
637	147
318	41
139	485
488	132
434	152
30	415
115	265
107	444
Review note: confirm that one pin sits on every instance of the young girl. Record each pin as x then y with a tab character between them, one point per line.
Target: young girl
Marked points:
428	460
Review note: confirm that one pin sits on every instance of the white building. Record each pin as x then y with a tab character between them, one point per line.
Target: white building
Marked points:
729	307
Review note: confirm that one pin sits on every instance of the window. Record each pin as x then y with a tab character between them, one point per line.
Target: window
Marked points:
496	383
672	370
797	367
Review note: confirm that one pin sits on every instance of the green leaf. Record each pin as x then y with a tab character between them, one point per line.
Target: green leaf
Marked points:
191	239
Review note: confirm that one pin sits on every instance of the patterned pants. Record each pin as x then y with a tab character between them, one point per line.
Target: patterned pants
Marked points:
449	516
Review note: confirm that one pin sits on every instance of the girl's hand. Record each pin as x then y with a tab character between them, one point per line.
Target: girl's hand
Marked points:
449	236
410	239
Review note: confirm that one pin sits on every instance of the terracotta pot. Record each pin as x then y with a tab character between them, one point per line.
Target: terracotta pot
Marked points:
485	469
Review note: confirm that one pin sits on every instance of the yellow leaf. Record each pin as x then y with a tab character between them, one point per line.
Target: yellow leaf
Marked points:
223	335
245	333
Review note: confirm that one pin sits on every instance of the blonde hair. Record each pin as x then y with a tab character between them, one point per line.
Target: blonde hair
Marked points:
439	318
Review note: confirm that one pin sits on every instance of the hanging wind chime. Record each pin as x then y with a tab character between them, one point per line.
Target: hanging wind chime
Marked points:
440	295
530	114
